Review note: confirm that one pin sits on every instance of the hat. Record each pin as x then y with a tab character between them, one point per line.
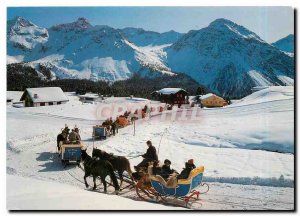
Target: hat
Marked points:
167	161
191	161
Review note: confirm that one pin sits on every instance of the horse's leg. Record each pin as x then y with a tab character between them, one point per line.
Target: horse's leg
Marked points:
121	177
104	184
129	171
86	184
94	179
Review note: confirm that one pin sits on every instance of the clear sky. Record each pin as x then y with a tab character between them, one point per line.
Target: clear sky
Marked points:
270	23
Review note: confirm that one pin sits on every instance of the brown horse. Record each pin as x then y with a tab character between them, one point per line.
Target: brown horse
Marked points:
101	168
61	138
119	163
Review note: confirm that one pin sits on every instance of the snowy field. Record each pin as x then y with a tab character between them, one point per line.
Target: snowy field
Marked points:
247	150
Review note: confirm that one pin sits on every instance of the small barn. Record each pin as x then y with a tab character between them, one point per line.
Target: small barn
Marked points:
171	96
46	96
212	100
89	98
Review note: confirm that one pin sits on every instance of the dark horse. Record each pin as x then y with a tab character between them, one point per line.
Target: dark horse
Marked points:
119	163
61	137
97	168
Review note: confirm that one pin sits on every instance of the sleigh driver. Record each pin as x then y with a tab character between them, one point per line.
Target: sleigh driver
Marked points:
149	156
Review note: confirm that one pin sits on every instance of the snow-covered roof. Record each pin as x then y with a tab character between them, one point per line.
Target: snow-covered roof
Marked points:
203	97
209	95
170	90
45	94
89	95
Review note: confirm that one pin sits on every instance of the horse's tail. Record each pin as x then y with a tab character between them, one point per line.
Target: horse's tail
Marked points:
113	177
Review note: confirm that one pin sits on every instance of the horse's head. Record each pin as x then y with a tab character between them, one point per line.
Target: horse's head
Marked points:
84	155
97	153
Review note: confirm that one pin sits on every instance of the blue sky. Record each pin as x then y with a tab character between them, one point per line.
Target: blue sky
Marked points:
270	23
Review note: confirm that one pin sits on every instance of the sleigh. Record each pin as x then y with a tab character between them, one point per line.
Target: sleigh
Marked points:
70	152
99	132
155	187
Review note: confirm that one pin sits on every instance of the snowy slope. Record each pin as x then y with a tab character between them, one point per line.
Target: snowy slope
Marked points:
285	44
141	37
238	149
229	59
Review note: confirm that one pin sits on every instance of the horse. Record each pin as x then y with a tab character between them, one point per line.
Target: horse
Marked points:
119	163
61	138
97	168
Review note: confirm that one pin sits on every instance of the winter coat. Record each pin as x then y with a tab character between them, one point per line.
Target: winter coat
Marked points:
73	136
151	154
186	171
166	171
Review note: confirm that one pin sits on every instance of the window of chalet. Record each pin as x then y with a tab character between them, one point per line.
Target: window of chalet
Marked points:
42	104
58	103
50	103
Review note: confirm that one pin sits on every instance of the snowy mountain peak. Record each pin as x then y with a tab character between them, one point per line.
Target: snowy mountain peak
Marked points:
225	25
24	35
21	22
80	24
222	22
229	59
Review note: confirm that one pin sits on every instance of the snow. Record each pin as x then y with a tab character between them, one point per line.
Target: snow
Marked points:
76	110
239	145
31	194
229	59
142	37
170	90
203	97
287	80
47	94
115	69
268	94
259	79
25	34
89	95
82	51
151	56
14	59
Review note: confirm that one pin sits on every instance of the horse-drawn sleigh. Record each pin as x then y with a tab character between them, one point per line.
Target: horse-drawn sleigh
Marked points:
70	152
147	186
69	146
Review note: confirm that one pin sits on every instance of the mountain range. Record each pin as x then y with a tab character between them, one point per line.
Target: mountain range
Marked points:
224	56
286	44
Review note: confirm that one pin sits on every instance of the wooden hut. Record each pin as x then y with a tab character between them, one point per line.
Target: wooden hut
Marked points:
212	100
171	96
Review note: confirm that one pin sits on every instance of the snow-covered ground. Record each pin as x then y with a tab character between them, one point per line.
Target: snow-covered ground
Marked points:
236	144
29	194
